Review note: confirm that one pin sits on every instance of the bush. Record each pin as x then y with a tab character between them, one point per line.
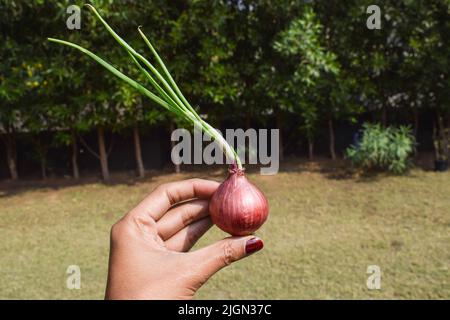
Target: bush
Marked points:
382	148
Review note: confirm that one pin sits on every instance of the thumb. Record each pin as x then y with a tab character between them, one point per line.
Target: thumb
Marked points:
224	252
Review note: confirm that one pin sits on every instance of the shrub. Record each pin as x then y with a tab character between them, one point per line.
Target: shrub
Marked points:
382	148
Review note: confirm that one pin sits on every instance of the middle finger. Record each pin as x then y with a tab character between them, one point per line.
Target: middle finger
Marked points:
181	216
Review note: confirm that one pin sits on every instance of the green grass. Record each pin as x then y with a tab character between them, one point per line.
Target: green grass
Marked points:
323	231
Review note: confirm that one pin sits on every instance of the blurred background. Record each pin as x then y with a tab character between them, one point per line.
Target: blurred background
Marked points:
359	93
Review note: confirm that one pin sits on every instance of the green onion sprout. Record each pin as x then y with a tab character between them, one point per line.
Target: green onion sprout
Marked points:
167	93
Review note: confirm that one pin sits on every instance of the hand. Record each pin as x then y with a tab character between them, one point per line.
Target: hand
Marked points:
148	254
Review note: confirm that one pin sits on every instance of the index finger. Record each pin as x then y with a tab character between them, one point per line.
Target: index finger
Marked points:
156	204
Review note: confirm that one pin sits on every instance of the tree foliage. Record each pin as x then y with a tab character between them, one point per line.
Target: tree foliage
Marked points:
238	61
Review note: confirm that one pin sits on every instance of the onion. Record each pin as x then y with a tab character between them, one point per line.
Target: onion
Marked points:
238	207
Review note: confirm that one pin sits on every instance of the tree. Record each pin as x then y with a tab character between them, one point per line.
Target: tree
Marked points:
20	81
300	43
38	88
13	70
134	113
130	114
125	108
426	64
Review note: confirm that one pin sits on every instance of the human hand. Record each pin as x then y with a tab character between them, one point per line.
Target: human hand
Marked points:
148	250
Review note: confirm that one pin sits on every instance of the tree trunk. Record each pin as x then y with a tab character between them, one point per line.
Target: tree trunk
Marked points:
442	136
416	129
177	167
248	120
310	148
41	152
43	171
435	141
447	137
75	170
102	153
384	116
279	121
11	155
138	152
332	140
416	122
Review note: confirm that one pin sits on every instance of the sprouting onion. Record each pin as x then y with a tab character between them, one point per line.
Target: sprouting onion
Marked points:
237	207
168	94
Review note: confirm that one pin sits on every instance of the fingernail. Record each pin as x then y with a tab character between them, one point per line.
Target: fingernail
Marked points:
253	245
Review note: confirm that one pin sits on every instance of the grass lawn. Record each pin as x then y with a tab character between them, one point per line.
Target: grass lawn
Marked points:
325	228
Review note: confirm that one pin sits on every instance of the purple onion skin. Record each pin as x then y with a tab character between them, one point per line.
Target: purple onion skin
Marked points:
238	207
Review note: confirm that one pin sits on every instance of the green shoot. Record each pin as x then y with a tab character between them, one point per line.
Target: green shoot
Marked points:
169	96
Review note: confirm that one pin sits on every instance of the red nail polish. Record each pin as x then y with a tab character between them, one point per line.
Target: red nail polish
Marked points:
253	245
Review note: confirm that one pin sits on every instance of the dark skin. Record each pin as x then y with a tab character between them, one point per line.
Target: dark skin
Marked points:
149	255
